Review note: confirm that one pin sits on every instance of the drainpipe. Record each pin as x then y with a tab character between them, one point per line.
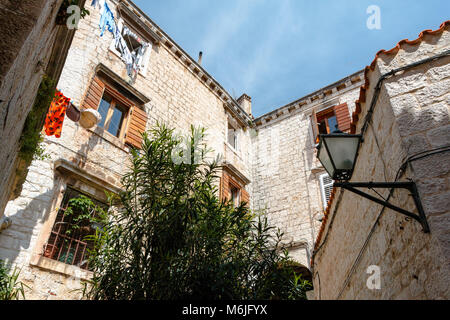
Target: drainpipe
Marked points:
5	223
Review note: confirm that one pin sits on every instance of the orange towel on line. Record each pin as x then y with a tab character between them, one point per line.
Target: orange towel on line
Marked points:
55	116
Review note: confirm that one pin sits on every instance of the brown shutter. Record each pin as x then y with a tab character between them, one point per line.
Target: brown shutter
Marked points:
94	94
245	197
315	126
343	117
137	125
224	187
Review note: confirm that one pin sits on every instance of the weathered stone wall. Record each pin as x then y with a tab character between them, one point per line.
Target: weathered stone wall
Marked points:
28	36
286	172
411	116
178	98
278	156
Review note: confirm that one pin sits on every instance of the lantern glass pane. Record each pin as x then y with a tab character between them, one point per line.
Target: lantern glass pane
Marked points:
324	158
343	151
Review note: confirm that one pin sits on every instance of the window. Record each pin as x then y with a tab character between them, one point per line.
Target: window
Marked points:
66	243
326	187
327	122
233	136
232	188
117	107
113	115
330	120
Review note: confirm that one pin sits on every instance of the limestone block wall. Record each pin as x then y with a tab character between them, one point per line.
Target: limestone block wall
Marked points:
178	97
286	172
411	117
25	50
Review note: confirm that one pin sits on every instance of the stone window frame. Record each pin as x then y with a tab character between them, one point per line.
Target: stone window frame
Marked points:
67	174
58	238
127	95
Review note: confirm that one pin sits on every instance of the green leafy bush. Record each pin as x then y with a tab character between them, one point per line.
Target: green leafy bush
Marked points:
10	287
172	238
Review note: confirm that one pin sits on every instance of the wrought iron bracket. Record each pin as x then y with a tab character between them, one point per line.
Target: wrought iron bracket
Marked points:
411	186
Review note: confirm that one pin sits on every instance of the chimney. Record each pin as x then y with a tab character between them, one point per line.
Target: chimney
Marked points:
245	102
200	55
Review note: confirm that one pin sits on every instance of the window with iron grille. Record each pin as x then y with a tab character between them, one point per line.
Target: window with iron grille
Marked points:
326	187
67	244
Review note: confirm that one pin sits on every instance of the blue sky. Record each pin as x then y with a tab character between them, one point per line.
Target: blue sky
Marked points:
277	51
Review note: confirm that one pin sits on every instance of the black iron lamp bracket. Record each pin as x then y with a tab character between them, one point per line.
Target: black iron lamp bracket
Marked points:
411	186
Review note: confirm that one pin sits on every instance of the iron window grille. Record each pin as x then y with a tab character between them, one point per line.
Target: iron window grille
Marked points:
70	248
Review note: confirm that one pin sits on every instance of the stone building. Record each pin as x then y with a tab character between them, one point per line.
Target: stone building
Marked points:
269	161
171	87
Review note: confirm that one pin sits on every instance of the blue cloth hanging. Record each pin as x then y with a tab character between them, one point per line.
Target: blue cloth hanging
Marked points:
107	20
94	3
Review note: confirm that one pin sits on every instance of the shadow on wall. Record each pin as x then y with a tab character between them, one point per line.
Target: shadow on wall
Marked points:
32	208
425	133
100	154
27	212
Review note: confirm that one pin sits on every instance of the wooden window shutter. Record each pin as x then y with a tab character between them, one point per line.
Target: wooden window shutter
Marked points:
94	94
224	186
315	126
137	125
343	117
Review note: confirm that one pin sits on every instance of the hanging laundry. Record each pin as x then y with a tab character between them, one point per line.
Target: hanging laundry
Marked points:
139	59
137	53
125	53
55	116
106	19
132	57
128	56
94	3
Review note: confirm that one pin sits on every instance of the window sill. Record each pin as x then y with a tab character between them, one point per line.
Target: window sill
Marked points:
60	267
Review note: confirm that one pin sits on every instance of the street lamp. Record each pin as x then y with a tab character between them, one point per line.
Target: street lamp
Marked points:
338	153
